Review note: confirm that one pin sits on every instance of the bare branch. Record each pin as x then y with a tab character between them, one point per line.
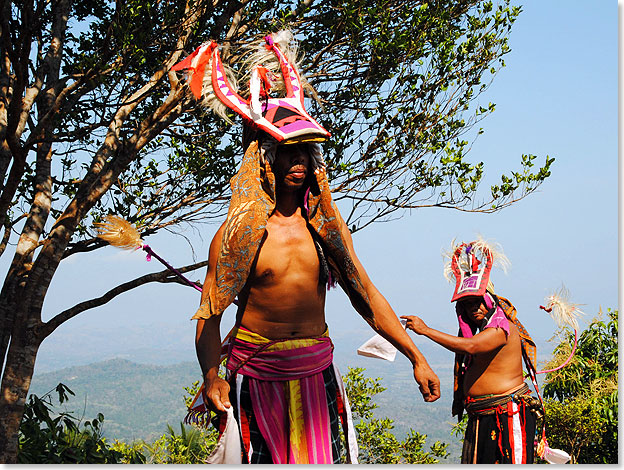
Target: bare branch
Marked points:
165	276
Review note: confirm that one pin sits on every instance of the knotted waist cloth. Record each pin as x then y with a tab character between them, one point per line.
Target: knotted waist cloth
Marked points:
501	428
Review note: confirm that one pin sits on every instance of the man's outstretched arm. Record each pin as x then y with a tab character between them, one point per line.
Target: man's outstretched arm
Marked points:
388	325
488	340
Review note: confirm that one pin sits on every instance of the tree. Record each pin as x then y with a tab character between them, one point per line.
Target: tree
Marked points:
582	398
93	121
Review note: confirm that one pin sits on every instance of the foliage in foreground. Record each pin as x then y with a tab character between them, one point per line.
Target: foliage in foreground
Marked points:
192	446
377	443
582	398
46	437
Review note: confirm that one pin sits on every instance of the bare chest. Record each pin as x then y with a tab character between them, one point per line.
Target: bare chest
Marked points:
287	253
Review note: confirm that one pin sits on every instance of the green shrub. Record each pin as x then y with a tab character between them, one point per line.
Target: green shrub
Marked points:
59	438
582	398
375	440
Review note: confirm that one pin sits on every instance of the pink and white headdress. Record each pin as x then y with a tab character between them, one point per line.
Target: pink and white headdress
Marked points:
283	118
470	264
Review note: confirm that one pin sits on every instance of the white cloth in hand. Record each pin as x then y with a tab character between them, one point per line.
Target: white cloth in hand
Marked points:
228	450
379	347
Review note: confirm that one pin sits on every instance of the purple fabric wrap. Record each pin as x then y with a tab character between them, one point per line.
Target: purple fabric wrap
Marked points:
289	364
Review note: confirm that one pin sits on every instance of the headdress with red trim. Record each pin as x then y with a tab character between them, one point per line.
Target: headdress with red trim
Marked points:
470	264
283	118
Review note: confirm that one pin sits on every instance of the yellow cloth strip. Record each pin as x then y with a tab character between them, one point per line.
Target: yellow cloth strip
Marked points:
255	338
296	422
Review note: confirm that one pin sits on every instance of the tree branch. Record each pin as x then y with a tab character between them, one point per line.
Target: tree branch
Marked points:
165	276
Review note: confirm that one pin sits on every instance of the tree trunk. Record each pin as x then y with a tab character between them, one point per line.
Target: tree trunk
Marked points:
18	370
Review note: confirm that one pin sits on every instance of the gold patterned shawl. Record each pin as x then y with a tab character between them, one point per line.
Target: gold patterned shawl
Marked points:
252	203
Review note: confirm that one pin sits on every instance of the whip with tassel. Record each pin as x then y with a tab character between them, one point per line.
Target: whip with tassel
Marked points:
564	313
122	234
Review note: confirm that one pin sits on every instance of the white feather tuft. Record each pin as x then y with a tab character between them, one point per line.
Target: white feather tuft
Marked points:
119	232
447	255
562	311
499	258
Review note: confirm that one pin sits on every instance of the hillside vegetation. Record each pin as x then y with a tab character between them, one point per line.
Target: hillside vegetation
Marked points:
137	400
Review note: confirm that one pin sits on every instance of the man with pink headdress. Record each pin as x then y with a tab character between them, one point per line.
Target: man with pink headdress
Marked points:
281	246
489	350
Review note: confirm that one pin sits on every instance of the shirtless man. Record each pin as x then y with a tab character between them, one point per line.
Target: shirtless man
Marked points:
492	377
284	300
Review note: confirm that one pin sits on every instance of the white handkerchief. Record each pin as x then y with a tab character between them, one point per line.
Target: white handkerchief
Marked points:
379	347
228	450
556	456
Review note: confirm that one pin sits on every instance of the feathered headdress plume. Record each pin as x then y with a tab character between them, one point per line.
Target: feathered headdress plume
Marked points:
122	234
269	68
258	55
480	248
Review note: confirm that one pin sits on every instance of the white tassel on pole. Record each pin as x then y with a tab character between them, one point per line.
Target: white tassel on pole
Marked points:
119	232
562	311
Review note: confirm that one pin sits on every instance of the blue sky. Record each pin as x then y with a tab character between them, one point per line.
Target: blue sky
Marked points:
557	97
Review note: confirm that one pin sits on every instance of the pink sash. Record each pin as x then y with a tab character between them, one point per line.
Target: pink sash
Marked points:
287	393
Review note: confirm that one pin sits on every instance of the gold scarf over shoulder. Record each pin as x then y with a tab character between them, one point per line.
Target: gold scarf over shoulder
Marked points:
252	202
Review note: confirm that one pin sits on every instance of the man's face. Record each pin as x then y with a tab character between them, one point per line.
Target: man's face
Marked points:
474	308
291	166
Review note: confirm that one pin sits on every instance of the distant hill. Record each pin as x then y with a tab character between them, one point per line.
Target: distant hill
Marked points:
137	400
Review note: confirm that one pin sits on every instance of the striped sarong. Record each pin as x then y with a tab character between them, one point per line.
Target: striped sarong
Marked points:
287	392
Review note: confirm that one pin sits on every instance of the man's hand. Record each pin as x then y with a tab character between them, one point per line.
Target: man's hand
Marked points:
428	381
415	324
216	395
